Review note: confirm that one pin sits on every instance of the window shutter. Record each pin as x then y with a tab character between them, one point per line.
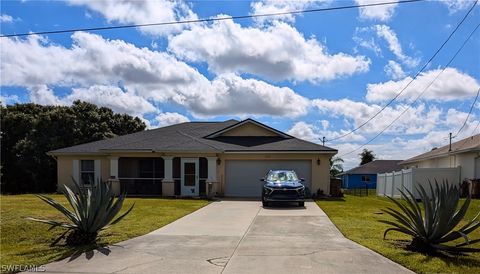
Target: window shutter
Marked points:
98	170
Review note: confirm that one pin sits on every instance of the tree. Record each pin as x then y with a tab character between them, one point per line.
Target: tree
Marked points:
336	166
366	156
29	131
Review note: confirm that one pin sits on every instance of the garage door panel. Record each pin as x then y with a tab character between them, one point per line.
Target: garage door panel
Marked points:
243	177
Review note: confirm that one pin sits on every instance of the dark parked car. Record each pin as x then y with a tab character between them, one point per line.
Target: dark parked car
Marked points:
283	186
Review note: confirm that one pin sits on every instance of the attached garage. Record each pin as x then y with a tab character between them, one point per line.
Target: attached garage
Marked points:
242	177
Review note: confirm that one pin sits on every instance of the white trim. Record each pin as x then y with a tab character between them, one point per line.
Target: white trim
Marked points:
168	168
187	190
212	169
444	154
114	167
281	152
76	170
134	178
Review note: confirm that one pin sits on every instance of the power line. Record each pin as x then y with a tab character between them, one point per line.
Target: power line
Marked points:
212	19
466	119
475	129
411	81
420	95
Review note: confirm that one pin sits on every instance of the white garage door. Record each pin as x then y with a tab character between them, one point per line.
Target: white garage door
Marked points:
243	177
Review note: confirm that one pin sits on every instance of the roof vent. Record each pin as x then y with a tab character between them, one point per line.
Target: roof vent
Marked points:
434	148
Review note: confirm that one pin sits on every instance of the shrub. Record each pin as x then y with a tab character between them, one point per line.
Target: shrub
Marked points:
436	226
94	209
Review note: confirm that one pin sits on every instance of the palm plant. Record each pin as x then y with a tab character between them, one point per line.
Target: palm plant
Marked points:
336	166
438	223
94	209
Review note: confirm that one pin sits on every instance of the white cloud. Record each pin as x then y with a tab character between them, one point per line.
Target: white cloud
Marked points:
367	43
106	96
42	95
451	85
315	134
170	118
142	12
394	45
231	94
418	120
304	131
277	52
112	97
152	75
457	5
394	70
8	99
280	6
5	18
381	13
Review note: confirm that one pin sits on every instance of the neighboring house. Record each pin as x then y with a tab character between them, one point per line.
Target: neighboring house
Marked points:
366	175
183	159
464	154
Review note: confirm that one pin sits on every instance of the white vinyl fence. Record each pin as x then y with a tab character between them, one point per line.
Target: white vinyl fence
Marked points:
389	184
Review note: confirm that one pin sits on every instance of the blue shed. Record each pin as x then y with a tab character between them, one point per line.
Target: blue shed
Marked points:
366	175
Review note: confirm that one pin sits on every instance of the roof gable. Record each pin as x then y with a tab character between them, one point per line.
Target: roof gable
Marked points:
248	128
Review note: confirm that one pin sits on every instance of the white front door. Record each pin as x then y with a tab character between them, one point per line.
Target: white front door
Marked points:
189	172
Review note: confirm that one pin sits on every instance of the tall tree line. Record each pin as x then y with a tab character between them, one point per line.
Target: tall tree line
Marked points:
29	131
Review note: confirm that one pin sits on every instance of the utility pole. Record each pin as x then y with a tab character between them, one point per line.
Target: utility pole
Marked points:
450	147
323	141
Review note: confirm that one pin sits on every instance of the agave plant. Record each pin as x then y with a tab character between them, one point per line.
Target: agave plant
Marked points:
438	223
94	209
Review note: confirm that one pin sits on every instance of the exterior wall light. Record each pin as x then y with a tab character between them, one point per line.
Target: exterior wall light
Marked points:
219	161
318	161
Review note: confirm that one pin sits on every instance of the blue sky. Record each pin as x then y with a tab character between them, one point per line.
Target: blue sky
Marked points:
311	75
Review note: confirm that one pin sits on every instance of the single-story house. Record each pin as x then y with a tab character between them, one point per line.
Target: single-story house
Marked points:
464	154
183	159
366	174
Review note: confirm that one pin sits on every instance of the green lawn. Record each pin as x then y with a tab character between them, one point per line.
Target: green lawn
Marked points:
25	242
357	218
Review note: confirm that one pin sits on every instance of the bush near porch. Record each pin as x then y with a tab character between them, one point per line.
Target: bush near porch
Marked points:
357	218
25	242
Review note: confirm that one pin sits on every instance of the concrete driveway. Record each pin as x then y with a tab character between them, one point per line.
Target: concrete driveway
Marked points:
237	237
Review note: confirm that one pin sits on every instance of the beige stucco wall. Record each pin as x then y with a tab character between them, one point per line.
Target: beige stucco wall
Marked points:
249	129
320	173
65	168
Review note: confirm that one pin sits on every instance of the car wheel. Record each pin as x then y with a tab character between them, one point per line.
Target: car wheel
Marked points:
264	203
301	204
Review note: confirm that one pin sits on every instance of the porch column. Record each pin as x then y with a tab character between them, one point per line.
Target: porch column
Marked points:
113	180
168	184
212	169
114	167
212	176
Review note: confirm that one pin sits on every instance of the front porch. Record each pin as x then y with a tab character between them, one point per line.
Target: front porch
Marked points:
165	175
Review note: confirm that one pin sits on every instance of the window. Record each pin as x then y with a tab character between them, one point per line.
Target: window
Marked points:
150	168
365	178
145	168
87	171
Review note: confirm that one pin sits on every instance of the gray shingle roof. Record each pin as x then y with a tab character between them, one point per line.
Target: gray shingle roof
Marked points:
471	143
377	166
190	137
